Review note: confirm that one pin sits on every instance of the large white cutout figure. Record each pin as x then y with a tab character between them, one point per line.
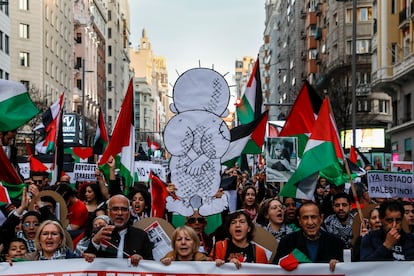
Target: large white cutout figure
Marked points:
197	138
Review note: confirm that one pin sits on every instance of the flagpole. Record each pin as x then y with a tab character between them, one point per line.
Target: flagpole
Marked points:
348	171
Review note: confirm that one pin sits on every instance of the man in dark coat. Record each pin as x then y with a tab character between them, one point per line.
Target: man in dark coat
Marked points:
317	245
390	243
119	240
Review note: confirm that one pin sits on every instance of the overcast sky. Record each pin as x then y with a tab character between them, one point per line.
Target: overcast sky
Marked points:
187	32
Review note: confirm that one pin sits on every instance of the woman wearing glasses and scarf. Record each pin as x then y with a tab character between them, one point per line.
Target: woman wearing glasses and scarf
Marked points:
51	243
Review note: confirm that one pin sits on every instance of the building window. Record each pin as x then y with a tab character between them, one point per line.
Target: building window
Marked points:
79	84
109	68
109	86
24	31
109	103
313	54
393	53
6	44
26	84
363	46
383	106
364	14
24	5
1	41
407	108
364	105
24	59
109	51
109	33
78	38
78	64
109	15
393	6
407	149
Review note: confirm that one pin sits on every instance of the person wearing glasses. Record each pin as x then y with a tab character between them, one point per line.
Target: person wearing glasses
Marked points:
51	243
22	224
390	243
271	217
120	239
199	223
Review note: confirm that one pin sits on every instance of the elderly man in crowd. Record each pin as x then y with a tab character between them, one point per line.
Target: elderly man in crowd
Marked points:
316	245
120	240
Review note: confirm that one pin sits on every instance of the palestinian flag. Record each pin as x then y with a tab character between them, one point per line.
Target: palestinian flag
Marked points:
122	144
79	154
16	107
101	137
49	127
322	151
12	186
36	165
246	139
4	196
152	146
159	194
251	104
302	116
337	174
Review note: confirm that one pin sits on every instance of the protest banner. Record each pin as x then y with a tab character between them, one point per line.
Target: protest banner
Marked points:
117	267
386	184
143	168
84	172
402	166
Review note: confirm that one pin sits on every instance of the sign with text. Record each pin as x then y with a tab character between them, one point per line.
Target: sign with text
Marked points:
119	267
386	184
84	172
143	168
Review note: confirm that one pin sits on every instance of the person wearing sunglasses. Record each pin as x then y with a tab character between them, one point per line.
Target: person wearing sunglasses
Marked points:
198	223
390	243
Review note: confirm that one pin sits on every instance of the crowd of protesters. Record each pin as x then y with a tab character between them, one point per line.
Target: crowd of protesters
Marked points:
101	217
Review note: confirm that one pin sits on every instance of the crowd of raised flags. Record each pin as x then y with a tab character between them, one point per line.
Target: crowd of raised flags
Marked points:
310	120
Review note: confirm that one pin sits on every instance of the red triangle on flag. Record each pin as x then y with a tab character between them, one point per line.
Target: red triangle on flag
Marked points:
36	165
325	129
4	195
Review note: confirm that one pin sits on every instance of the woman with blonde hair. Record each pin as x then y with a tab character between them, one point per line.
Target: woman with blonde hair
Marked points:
50	243
185	244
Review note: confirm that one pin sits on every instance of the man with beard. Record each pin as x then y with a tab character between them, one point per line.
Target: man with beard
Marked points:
390	243
120	240
340	223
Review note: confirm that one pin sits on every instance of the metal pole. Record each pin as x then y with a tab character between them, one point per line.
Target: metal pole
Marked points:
354	15
83	87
